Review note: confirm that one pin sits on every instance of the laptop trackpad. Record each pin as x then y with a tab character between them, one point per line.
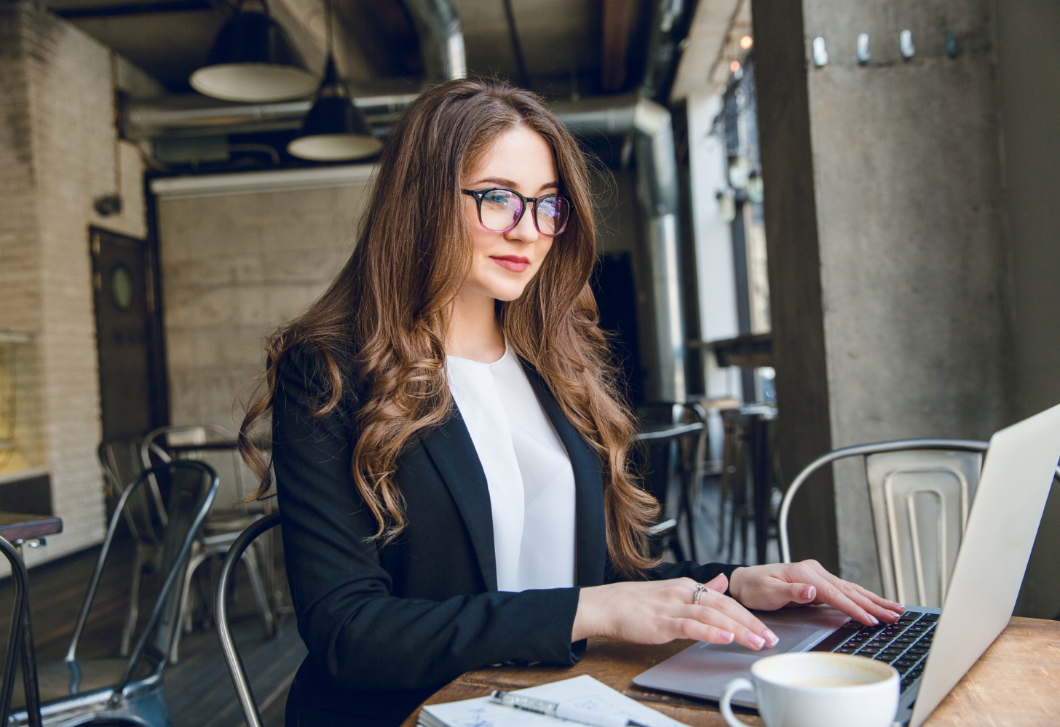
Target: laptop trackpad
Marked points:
702	670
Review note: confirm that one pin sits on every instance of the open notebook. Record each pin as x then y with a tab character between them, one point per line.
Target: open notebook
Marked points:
583	690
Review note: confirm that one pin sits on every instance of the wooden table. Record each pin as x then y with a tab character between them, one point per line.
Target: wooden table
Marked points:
1015	682
749	351
16	526
17	529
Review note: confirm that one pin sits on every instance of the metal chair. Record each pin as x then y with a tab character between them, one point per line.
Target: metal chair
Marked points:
216	445
224	588
144	514
672	453
19	607
78	691
920	493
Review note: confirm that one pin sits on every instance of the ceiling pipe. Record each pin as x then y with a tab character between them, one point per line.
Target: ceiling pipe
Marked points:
658	195
441	38
193	115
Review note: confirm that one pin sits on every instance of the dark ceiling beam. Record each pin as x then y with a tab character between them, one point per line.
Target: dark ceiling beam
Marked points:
617	25
132	9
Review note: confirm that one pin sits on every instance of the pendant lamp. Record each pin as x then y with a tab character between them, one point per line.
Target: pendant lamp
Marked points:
253	60
334	129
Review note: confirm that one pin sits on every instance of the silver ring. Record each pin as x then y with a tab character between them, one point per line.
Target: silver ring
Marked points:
699	592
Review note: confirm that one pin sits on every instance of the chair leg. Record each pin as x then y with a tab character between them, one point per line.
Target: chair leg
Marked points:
726	490
731	555
743	497
182	613
687	506
133	614
737	486
745	519
250	560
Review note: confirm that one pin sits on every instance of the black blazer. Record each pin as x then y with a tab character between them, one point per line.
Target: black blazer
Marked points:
387	626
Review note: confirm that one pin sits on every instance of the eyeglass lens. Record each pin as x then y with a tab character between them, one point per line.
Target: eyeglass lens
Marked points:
501	209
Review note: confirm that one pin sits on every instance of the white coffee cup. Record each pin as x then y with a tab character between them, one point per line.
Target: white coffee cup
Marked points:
818	689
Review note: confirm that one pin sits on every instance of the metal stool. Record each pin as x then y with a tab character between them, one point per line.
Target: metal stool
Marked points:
749	478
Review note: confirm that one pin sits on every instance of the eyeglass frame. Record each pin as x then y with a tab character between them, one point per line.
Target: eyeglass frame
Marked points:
479	194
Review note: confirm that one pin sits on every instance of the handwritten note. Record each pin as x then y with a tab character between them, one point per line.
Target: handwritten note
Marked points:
582	691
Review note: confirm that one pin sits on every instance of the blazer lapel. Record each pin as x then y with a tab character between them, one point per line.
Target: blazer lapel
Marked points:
450	448
453	453
590	535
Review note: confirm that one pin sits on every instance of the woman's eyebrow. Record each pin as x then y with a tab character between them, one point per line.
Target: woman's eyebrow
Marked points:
501	182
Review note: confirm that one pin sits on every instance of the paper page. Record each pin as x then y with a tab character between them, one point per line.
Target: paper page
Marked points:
582	691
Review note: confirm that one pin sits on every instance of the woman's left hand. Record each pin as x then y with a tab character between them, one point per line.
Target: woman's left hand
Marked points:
779	585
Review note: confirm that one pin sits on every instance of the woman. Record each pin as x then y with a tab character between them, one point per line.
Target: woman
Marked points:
449	450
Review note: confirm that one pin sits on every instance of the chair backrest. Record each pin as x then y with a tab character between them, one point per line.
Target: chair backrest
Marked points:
920	493
120	459
678	448
19	608
189	489
144	513
224	633
209	443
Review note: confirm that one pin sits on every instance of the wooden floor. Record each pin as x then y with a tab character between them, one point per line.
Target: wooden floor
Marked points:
198	687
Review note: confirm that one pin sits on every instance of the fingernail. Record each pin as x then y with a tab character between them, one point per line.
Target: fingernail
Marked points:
727	636
809	592
771	638
757	640
893	615
873	620
898	606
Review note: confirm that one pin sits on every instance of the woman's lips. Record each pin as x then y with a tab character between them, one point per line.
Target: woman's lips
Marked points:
513	262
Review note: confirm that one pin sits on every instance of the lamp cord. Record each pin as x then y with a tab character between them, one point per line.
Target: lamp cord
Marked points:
328	20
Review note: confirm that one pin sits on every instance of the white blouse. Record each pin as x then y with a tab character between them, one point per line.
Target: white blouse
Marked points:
530	478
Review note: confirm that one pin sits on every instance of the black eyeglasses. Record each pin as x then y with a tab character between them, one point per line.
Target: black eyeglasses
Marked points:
500	210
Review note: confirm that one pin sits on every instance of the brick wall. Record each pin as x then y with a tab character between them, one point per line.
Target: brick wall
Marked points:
234	267
57	154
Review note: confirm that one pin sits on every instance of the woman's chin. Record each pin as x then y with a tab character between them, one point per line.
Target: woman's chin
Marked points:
507	292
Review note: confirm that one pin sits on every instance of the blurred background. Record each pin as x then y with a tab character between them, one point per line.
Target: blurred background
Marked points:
821	223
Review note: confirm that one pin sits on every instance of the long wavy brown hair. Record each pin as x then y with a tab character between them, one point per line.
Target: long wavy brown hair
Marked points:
379	328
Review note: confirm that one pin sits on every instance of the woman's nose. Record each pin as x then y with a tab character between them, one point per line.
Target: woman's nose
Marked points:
525	230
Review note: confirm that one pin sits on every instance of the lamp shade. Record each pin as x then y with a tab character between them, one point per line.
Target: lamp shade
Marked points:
334	129
253	60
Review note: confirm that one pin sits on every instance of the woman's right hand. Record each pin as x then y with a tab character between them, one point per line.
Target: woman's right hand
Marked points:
656	612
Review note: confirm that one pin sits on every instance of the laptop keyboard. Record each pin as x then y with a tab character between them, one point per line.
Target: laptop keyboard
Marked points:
904	645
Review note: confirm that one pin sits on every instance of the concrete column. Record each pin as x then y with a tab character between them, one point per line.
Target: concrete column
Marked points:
1028	50
889	272
804	428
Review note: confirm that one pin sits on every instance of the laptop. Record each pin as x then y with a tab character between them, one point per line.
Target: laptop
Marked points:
931	648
